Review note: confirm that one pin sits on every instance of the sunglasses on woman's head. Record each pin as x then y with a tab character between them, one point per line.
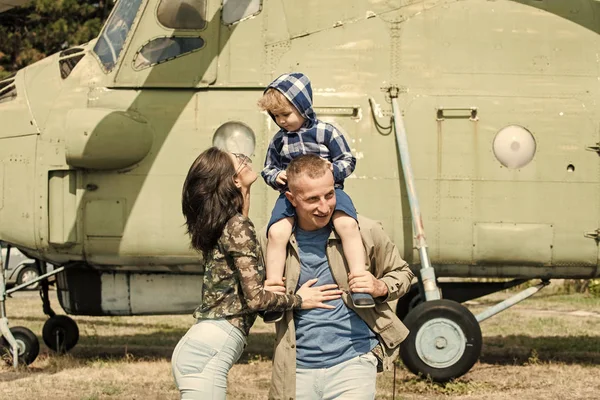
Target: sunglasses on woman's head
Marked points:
243	159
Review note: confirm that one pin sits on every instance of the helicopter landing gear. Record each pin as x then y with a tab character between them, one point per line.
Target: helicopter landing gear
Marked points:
22	341
444	341
28	346
60	333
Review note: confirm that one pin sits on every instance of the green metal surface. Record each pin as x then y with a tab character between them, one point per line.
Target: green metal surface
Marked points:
93	164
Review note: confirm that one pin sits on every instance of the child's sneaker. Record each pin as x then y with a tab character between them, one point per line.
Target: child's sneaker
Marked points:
362	300
272	316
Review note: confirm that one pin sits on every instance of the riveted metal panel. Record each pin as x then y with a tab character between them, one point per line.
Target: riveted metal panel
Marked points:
519	243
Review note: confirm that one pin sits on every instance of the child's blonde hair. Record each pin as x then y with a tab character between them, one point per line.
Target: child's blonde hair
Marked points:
274	101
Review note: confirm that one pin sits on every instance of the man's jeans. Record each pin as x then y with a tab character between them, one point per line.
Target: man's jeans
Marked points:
203	357
353	379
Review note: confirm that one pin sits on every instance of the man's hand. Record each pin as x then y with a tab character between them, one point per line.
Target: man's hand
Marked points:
275	286
365	282
281	178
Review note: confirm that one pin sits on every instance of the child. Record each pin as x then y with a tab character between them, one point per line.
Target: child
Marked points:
288	100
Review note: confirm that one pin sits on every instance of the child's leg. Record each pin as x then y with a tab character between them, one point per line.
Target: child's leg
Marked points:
279	236
347	228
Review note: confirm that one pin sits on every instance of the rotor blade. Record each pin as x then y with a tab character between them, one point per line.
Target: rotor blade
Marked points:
8	4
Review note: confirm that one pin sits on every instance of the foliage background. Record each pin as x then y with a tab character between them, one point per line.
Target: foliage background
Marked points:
28	34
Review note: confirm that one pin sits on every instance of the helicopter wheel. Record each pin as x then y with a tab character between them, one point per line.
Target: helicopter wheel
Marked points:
444	341
28	346
407	302
60	333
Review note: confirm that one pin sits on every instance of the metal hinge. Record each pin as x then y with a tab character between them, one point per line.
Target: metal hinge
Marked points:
593	235
595	148
394	90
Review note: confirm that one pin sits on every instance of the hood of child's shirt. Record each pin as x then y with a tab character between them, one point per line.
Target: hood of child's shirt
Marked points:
296	88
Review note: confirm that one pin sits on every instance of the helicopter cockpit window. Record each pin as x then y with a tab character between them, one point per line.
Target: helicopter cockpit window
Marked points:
238	10
166	48
115	32
182	14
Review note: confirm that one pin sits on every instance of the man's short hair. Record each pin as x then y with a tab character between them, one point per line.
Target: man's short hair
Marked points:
307	164
274	102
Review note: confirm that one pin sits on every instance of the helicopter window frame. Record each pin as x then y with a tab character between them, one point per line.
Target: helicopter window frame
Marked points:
155	39
202	13
245	16
120	14
67	64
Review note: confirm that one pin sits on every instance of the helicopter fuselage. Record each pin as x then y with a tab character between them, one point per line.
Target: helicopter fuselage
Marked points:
499	99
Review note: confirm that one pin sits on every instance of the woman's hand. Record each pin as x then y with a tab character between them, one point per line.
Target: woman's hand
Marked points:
313	297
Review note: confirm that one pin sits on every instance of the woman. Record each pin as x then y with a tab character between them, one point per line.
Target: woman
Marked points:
215	203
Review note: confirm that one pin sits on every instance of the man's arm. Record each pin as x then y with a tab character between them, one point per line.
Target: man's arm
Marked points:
390	277
391	269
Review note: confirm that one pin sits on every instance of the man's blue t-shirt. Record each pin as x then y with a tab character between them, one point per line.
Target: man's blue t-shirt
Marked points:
325	337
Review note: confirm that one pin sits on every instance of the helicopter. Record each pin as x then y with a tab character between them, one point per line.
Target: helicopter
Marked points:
474	119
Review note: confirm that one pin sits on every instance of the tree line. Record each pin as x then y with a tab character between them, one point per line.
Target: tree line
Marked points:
28	34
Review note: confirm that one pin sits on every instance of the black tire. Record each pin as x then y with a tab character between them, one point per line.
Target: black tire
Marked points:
27	343
444	341
407	302
26	274
60	333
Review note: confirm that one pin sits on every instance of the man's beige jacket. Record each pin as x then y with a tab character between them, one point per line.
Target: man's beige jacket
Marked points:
384	263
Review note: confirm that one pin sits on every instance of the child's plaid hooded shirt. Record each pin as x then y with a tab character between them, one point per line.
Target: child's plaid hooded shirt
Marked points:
314	137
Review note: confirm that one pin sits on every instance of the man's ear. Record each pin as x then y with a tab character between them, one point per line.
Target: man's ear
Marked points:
291	198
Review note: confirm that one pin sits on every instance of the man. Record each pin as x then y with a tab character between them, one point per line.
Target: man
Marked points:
334	354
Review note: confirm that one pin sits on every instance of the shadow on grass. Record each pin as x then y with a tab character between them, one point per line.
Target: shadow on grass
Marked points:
155	346
105	321
520	349
159	345
505	350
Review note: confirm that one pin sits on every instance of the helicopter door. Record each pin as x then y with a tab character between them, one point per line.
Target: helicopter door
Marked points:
175	45
510	182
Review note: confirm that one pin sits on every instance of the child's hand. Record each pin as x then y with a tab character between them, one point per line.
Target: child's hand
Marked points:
281	178
275	286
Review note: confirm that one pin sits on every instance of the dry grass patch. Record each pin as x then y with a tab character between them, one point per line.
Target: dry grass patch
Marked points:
536	350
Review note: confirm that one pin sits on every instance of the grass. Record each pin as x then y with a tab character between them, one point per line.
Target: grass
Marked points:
542	348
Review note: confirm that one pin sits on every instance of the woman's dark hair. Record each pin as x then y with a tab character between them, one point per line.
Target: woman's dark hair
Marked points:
210	198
